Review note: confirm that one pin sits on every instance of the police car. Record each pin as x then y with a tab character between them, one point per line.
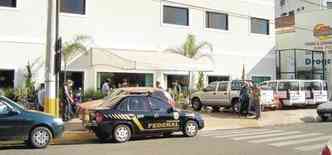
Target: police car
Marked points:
141	114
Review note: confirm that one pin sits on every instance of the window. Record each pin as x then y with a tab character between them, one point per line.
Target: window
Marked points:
176	15
159	105
73	6
138	104
123	106
217	20
8	3
293	86
236	85
211	87
223	86
7	78
260	26
329	5
282	3
3	108
218	78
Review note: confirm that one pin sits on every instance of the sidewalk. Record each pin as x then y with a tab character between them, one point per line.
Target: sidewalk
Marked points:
76	134
220	120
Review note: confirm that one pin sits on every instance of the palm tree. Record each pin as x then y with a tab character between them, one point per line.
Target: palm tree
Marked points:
72	48
193	50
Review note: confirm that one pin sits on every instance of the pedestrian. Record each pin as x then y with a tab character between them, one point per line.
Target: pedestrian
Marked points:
125	83
41	97
68	101
256	94
106	87
244	100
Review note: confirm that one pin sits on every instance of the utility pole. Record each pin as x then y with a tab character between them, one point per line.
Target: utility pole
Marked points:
51	103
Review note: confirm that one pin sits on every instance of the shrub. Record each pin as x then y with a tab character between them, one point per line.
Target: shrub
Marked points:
91	94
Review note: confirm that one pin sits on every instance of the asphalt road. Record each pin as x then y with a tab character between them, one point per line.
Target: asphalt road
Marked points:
302	139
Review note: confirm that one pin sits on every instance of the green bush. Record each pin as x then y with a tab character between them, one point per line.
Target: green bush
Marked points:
9	93
91	94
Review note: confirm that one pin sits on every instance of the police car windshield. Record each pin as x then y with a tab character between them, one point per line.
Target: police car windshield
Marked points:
111	101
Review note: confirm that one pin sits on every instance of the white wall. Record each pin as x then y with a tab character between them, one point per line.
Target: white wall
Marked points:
129	24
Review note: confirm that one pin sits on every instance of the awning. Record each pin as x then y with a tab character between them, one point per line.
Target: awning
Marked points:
148	60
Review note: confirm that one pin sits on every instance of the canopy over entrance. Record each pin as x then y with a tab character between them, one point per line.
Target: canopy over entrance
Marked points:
147	60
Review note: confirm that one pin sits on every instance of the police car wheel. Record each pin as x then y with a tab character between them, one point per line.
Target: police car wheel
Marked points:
191	129
122	133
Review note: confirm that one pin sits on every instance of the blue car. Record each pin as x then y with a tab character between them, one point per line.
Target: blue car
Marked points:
37	129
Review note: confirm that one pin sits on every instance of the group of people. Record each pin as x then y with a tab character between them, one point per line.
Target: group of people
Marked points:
107	88
250	100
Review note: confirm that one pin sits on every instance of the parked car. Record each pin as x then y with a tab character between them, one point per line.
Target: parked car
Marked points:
218	94
37	129
327	150
325	111
87	107
141	114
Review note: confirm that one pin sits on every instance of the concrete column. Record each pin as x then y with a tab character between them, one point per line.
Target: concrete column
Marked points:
51	104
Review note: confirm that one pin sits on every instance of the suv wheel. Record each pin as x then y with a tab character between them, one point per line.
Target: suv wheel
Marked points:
216	108
196	104
323	118
191	129
40	137
236	105
122	133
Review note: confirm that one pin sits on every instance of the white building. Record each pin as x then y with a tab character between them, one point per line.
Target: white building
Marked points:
292	7
241	32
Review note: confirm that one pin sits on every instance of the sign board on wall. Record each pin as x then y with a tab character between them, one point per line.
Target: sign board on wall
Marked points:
323	33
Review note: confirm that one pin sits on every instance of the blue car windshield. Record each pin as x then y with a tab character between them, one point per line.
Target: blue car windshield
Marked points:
12	103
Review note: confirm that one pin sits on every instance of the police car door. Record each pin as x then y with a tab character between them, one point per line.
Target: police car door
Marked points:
165	118
139	107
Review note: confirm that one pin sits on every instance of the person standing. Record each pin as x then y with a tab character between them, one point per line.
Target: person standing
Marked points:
68	100
256	94
106	87
244	99
40	97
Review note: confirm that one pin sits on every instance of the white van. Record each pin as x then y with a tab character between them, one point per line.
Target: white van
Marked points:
267	95
315	91
299	92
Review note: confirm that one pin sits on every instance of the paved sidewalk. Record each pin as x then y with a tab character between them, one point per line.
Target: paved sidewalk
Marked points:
220	120
76	134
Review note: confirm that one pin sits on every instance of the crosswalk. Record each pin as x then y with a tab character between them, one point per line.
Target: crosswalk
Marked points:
296	140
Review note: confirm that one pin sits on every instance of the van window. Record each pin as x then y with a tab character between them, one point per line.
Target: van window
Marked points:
289	85
265	86
313	85
325	85
211	87
223	86
273	85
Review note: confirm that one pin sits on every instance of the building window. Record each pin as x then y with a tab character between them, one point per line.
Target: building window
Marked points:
260	26
329	5
7	79
8	3
217	20
282	3
73	6
176	15
217	78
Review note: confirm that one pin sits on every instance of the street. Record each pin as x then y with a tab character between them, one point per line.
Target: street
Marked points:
301	139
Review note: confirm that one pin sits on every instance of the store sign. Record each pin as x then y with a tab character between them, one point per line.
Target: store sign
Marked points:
323	32
309	61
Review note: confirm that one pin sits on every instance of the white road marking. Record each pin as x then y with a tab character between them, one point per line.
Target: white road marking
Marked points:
301	141
232	132
247	134
311	147
267	135
285	138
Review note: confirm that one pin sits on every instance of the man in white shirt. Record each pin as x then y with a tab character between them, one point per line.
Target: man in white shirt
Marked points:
106	87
